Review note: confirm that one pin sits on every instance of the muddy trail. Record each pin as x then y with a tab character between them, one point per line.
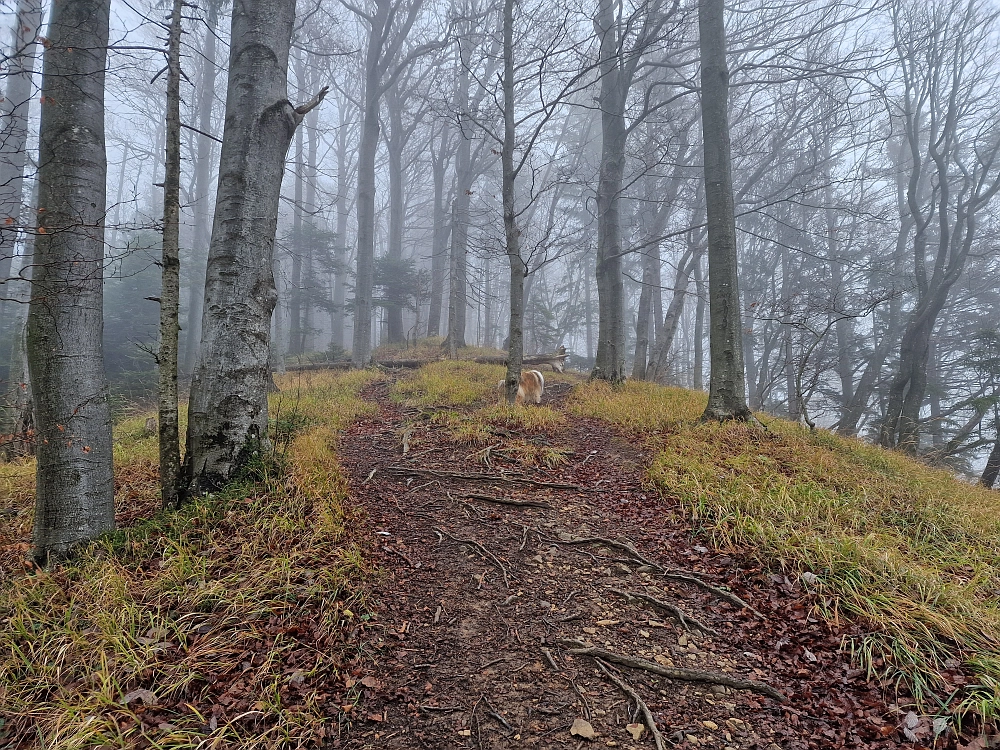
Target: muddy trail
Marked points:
526	606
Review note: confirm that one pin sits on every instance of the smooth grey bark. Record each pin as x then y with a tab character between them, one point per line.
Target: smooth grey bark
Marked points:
227	416
170	288
699	329
298	249
386	36
202	237
727	389
610	362
465	176
74	499
515	350
14	106
658	366
440	159
343	214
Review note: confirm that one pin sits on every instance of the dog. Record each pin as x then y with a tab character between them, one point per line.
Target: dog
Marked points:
529	390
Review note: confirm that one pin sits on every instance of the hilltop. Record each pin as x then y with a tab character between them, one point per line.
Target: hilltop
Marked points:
420	566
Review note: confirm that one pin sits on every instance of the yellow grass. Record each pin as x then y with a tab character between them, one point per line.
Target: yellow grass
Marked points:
215	589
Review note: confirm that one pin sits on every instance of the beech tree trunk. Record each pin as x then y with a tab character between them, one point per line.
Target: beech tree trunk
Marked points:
170	450
610	362
343	214
439	253
202	193
727	389
74	484
515	349
458	284
227	419
14	107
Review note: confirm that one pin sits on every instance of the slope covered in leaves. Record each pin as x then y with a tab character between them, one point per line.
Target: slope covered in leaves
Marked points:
912	550
225	624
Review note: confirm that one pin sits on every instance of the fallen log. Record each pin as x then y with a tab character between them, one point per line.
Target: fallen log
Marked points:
556	360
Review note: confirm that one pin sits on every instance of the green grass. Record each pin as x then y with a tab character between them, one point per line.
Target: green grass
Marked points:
912	550
241	600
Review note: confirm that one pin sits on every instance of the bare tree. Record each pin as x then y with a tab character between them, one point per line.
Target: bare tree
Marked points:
946	54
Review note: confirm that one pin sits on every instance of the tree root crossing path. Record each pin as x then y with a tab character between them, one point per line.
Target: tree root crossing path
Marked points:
523	605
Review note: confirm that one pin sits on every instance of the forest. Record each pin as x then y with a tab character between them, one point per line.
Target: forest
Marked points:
274	279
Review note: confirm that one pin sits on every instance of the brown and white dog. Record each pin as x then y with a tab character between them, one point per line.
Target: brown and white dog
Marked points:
530	389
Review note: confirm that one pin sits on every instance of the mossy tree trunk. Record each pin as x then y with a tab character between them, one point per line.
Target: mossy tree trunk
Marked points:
228	408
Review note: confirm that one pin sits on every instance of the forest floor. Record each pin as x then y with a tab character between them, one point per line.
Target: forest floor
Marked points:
493	575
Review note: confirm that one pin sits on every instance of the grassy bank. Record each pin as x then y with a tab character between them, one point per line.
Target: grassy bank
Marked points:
912	550
222	625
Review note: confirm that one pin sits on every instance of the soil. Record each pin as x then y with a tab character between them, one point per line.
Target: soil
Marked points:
467	646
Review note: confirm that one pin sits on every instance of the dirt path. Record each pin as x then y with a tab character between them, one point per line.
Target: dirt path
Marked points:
467	648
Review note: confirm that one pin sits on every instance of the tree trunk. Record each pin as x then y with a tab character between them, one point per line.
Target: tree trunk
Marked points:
727	390
699	329
343	214
439	254
297	250
74	499
14	107
992	469
458	267
610	362
394	249
515	350
364	281
170	450
202	193
228	408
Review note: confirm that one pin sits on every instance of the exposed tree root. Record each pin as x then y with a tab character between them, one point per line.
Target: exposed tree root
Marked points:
684	577
579	648
485	552
629	691
685	620
505	500
415	471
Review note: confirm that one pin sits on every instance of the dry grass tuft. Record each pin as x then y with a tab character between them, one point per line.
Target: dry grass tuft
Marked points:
223	625
450	383
637	406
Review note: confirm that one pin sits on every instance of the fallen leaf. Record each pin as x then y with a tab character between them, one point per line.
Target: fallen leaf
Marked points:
636	730
582	728
369	682
141	694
